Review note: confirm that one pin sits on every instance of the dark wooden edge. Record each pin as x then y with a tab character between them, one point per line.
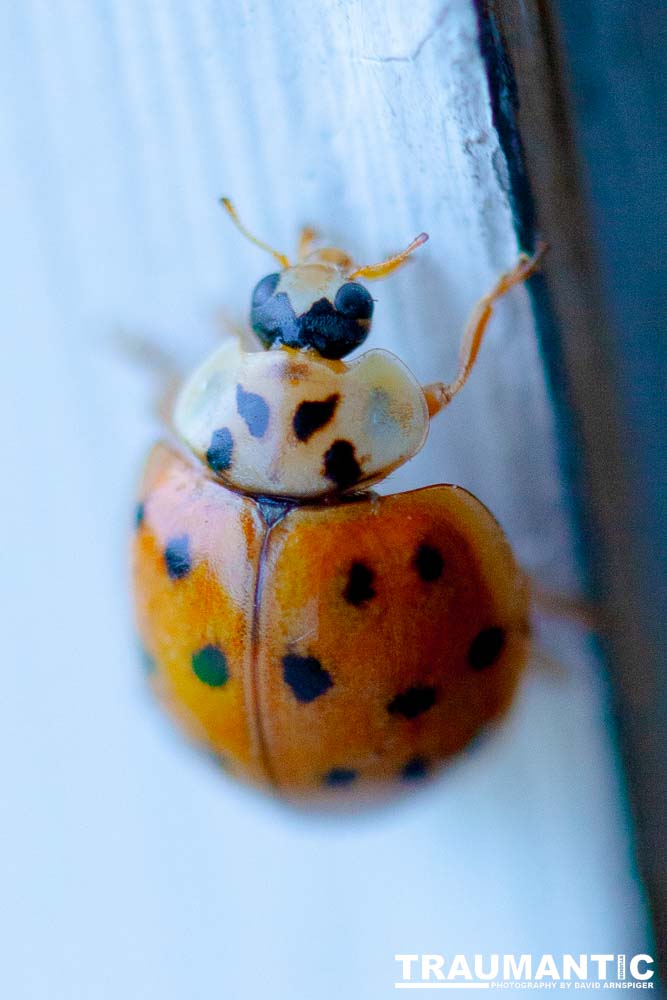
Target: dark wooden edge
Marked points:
550	196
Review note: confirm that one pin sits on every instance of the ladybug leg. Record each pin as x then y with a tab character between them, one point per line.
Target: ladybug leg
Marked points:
166	400
307	238
166	371
142	351
553	604
547	664
228	326
439	394
573	609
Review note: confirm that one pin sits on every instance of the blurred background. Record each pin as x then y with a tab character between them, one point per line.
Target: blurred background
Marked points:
130	865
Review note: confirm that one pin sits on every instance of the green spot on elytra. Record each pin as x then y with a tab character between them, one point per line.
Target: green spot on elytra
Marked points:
139	514
147	662
210	666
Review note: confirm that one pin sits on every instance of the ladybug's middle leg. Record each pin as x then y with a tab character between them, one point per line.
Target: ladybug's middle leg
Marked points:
439	394
569	607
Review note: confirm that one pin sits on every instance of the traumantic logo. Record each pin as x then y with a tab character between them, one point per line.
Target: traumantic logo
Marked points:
536	972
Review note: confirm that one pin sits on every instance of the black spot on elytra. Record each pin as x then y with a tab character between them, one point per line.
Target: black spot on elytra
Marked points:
359	588
139	514
254	409
210	666
306	676
340	464
339	776
486	647
219	454
220	761
429	563
415	769
177	557
313	414
479	740
412	702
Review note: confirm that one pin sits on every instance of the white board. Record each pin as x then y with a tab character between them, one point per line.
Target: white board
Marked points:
130	868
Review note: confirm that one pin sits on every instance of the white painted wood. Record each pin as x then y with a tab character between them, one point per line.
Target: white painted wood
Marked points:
130	868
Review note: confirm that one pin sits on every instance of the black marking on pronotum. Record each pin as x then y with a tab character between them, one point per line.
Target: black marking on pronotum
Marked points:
306	677
486	647
340	464
139	514
322	327
359	588
429	563
254	409
412	702
414	769
219	453
338	776
177	557
313	414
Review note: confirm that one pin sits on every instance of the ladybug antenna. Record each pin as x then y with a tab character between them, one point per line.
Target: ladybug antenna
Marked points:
385	267
231	211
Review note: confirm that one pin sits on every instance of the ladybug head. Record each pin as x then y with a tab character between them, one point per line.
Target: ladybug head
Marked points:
316	304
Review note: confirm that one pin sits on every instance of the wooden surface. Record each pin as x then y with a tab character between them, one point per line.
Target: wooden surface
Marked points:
130	868
590	112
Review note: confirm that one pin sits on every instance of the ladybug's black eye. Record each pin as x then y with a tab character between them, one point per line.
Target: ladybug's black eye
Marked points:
354	301
264	290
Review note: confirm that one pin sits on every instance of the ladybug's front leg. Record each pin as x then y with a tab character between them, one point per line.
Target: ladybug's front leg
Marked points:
167	374
307	239
439	394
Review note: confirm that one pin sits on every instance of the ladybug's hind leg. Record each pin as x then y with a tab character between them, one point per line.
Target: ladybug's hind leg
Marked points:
439	394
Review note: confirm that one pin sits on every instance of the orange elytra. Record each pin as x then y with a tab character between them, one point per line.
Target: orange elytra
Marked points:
323	642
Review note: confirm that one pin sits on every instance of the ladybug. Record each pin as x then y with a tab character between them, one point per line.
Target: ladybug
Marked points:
321	640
